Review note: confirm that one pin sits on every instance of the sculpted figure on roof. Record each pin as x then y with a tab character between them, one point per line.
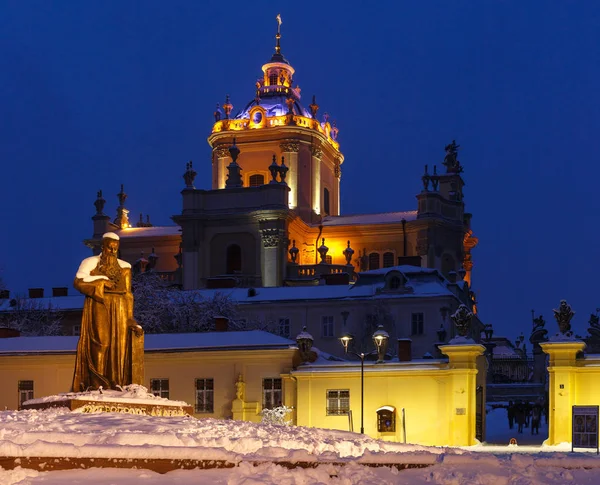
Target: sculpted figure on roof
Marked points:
110	352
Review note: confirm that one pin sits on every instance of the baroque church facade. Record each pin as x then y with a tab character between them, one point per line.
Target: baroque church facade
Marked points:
272	217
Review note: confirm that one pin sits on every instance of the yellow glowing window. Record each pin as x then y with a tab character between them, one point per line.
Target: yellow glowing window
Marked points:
256	180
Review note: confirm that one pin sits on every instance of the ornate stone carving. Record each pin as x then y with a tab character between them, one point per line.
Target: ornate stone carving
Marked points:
337	170
290	146
563	316
317	152
462	320
221	151
451	159
271	238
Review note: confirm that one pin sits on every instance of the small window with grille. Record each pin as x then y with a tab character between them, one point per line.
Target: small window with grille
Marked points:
388	260
272	395
417	324
327	326
25	392
256	180
374	261
338	402
386	419
284	327
160	387
205	395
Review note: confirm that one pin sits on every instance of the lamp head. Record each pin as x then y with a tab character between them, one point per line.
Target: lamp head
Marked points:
346	339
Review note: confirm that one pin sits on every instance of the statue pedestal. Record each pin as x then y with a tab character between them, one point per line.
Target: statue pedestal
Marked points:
133	400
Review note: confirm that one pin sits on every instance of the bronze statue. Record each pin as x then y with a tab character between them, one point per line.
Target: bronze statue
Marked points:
462	320
110	352
563	316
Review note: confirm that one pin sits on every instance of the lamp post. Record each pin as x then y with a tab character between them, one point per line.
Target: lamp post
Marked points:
380	339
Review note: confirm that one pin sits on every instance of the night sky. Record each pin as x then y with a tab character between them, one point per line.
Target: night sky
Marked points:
95	94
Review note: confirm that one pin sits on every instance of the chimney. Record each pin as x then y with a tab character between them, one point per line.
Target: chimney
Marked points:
60	291
404	350
221	324
36	292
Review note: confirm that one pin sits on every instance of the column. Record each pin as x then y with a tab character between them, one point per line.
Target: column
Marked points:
221	159
290	149
336	196
462	362
562	387
317	155
271	256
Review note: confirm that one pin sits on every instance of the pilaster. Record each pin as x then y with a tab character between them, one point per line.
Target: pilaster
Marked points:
290	149
223	158
273	255
317	155
562	387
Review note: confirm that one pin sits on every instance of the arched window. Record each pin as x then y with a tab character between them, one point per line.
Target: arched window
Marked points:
273	79
234	259
374	261
257	180
326	201
388	260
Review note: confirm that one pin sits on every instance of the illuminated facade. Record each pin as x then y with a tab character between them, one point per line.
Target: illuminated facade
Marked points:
272	216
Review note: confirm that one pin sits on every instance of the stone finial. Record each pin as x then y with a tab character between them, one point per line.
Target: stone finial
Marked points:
334	131
189	176
283	170
304	340
179	257
462	320
426	179
294	252
227	107
325	117
274	169
314	107
348	253
563	316
122	219
435	179
234	177
323	251
152	260
99	203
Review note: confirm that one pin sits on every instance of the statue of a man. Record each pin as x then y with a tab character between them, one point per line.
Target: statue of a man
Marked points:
110	352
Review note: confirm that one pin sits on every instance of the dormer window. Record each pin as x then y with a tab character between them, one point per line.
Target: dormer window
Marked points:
395	283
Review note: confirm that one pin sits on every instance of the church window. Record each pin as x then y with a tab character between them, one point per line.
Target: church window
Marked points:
388	260
374	261
326	201
273	79
234	259
205	395
271	393
417	324
25	392
256	180
327	326
338	402
160	387
284	327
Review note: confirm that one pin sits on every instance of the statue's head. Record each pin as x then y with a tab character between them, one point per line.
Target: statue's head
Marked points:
110	244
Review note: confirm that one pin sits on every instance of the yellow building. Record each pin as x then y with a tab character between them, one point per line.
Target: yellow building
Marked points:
237	374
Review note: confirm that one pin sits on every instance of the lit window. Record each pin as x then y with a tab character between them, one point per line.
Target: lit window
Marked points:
327	329
338	402
284	327
386	420
374	261
388	260
417	324
271	393
273	79
256	180
25	392
205	395
160	387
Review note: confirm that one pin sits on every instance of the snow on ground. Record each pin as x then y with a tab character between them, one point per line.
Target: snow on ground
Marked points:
60	433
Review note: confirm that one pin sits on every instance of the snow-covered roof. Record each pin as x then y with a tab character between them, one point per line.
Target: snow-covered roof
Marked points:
249	340
156	231
377	218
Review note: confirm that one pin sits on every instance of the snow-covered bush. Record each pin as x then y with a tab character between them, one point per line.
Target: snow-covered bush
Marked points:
279	415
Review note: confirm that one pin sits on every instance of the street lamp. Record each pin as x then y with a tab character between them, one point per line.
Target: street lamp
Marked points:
380	339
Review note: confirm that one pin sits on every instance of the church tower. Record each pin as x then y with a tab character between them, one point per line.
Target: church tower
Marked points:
274	126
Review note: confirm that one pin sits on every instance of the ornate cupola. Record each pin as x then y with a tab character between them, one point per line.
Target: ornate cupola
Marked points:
275	123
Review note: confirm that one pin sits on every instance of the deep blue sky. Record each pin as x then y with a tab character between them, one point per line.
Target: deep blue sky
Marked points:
95	94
